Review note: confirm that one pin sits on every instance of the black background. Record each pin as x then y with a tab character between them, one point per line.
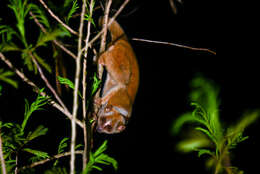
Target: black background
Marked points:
165	72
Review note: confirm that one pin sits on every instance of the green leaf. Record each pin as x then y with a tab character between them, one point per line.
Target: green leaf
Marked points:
193	144
40	15
39	131
20	9
50	36
205	151
61	148
235	132
6	77
28	60
101	149
100	158
89	18
62	145
205	93
6	33
211	137
72	11
6	125
37	153
36	105
95	85
42	62
66	81
9	46
181	120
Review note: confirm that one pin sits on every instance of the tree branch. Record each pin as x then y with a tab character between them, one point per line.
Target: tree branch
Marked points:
54	41
86	131
36	88
76	89
109	23
176	45
49	159
57	18
2	156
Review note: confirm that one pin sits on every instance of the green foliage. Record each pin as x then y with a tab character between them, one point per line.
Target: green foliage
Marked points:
72	11
61	148
20	9
208	136
88	17
17	140
36	105
16	37
66	81
99	157
40	15
95	85
6	77
6	33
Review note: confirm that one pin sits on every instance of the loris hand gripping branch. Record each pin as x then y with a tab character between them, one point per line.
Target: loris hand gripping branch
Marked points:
120	83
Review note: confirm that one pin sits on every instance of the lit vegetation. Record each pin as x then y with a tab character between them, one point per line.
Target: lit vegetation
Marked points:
208	135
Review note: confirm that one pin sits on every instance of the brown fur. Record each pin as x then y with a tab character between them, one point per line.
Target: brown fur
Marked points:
121	83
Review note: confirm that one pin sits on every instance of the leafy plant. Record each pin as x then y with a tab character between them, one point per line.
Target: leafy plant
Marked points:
6	77
99	157
72	11
35	53
209	136
16	140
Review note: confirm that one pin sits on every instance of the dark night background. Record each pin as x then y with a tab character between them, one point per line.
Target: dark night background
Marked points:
165	72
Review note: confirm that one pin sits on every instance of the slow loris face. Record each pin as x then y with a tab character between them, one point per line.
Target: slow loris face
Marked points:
111	119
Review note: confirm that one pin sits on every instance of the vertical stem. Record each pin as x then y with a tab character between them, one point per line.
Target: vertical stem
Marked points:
16	163
103	37
86	130
2	156
75	95
103	45
105	21
47	83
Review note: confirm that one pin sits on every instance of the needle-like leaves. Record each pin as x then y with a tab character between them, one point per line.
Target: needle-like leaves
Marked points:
205	118
72	11
6	77
99	157
36	105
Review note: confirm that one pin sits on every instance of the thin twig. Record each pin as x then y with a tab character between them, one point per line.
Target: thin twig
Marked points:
176	45
84	88
2	156
47	83
57	18
104	35
76	89
103	44
36	88
54	41
16	163
49	159
111	20
104	22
